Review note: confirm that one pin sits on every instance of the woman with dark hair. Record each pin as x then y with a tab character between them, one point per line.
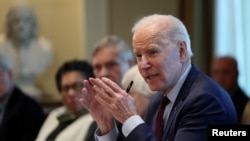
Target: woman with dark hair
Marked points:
71	121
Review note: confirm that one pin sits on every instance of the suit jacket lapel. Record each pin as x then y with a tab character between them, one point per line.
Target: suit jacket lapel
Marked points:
184	91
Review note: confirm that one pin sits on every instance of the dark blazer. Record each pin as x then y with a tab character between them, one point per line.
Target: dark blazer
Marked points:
240	100
200	102
22	119
90	135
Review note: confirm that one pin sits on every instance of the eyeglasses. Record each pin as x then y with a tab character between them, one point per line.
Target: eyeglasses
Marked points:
77	86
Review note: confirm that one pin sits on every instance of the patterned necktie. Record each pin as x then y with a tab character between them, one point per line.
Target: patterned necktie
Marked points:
159	119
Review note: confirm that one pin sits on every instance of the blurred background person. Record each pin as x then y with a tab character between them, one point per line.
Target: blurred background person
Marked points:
20	116
112	57
225	71
139	90
71	121
29	53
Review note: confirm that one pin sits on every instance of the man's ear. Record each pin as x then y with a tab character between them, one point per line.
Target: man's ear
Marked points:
182	50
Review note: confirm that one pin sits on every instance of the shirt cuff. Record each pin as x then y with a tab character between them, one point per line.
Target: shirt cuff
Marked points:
130	124
110	136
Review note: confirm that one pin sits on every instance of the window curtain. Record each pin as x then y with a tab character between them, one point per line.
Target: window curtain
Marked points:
232	35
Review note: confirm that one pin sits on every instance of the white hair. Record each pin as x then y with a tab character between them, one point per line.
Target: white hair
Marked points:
139	84
169	26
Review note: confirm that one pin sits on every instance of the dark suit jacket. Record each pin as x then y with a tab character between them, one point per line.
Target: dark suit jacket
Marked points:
240	100
22	119
200	102
91	132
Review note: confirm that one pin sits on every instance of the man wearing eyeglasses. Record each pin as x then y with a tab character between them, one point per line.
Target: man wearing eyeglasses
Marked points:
68	123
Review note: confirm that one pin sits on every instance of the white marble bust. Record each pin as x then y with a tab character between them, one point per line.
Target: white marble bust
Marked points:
29	53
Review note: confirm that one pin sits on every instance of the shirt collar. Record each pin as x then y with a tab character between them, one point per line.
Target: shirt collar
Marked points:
172	95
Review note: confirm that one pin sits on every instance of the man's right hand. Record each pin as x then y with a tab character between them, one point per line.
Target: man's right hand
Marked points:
103	118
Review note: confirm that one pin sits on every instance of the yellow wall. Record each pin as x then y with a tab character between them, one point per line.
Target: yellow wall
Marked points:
61	22
124	13
73	27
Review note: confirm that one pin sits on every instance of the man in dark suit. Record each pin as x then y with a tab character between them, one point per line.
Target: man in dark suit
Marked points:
20	116
192	100
224	70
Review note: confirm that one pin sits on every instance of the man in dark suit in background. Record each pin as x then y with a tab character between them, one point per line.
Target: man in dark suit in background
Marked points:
224	70
162	47
20	116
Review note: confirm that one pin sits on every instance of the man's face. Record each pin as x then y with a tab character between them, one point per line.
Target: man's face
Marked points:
5	81
106	63
158	60
71	89
224	72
